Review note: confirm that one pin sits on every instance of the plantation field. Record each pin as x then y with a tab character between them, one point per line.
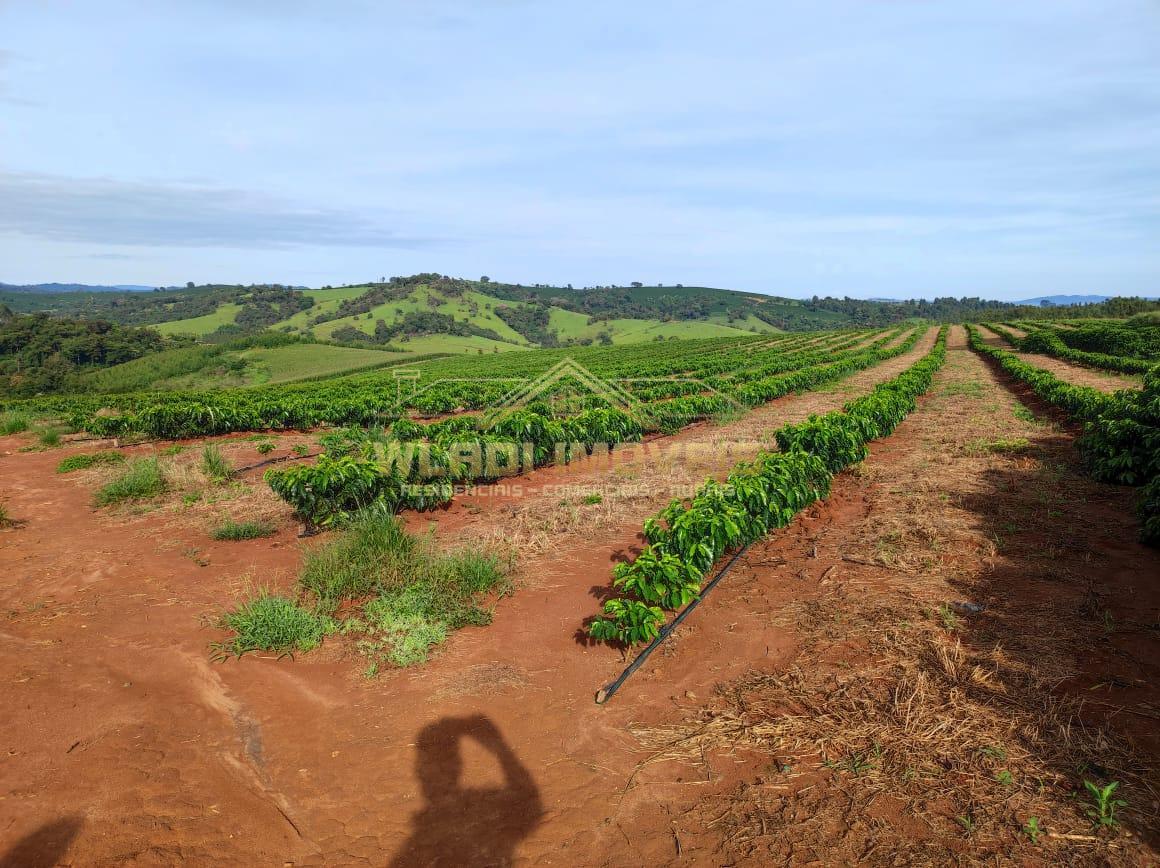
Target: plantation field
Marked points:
914	568
289	363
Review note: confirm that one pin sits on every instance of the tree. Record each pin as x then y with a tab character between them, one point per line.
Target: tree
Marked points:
485	279
638	284
189	284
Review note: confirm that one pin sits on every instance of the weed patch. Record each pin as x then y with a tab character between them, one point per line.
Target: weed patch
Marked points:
419	594
214	465
1001	446
84	462
271	623
140	480
13	423
235	531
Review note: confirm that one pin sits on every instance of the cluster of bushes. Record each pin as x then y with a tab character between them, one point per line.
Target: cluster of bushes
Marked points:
531	321
686	539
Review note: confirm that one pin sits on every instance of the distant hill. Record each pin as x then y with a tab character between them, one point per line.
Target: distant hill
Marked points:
1066	299
434	313
72	287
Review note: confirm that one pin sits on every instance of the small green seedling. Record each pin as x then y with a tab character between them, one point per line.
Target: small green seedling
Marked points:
1103	811
949	619
1032	829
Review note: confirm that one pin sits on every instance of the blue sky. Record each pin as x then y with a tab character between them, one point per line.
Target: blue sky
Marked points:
893	148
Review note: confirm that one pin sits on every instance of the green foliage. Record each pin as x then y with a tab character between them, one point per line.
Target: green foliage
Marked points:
271	623
5	518
265	448
1128	348
235	531
629	622
418	595
50	437
141	479
39	353
1032	829
371	554
950	620
1121	438
214	465
1138	338
1104	805
13	423
395	632
84	462
686	539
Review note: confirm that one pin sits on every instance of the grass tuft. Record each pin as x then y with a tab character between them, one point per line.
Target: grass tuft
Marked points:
271	623
50	437
419	594
373	554
215	466
13	423
140	480
84	462
235	531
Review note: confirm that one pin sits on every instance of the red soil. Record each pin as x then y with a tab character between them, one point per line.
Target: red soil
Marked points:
125	745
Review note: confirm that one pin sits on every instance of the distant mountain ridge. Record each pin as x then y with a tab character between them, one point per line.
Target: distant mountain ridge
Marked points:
1077	299
431	312
1065	299
73	287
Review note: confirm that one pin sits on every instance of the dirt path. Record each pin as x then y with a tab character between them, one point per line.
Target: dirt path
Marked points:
124	745
1077	375
929	632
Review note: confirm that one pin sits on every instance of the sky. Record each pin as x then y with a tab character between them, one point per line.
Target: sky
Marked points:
878	148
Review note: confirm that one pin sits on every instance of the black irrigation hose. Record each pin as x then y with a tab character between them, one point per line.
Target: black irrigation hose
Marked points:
605	693
277	460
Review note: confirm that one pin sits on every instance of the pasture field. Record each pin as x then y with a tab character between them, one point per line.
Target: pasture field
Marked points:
200	326
900	584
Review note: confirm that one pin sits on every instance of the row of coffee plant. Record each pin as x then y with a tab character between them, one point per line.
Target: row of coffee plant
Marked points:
686	539
1121	432
445	386
1049	342
409	465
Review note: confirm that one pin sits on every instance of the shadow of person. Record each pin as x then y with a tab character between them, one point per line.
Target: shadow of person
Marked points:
461	826
44	846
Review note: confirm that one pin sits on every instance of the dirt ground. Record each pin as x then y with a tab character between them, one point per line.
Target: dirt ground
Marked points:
123	744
